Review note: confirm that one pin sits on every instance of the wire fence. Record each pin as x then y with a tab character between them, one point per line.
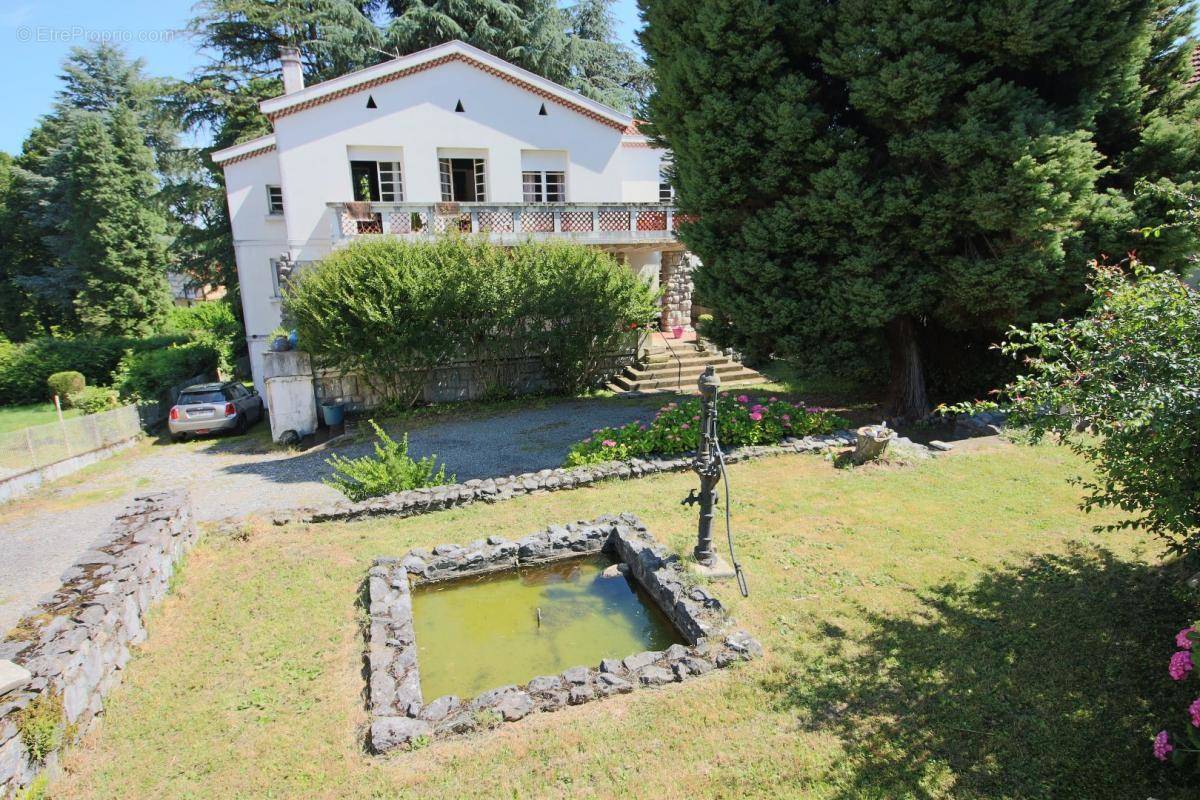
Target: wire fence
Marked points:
40	445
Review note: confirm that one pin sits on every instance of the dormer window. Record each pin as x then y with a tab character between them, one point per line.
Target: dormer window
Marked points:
275	200
544	186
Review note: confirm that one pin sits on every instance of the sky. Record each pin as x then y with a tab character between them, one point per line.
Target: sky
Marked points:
35	36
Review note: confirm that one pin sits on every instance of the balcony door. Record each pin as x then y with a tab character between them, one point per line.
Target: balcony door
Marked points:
463	180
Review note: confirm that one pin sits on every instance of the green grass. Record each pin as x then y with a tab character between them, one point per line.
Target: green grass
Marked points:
950	630
14	418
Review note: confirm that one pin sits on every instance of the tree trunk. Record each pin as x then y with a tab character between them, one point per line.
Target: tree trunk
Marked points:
906	399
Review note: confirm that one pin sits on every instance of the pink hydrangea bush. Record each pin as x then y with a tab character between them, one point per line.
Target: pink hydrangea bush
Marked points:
741	420
1182	748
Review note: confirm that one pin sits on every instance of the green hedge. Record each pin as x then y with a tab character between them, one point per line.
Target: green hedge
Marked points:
147	375
65	384
24	368
392	311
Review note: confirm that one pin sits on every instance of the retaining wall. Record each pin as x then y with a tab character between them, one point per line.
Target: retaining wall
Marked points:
76	642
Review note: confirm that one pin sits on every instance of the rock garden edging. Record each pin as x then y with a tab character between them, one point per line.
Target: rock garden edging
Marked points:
399	715
494	490
76	642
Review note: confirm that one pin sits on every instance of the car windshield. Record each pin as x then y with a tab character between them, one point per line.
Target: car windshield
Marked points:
189	398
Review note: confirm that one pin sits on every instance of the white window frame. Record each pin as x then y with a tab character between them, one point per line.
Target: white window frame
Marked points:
273	208
536	186
666	192
445	165
390	174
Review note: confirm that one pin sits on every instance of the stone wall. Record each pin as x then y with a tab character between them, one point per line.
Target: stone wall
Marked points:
76	642
400	715
460	381
492	490
676	281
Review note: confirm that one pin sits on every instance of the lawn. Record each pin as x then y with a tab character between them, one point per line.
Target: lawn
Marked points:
14	418
952	629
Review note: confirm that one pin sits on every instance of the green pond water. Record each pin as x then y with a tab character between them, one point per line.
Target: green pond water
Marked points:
480	633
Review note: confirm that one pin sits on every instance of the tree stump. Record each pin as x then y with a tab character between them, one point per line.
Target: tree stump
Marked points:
873	441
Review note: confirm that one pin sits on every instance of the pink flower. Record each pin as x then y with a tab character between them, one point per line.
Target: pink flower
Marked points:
743	398
755	416
1162	745
1181	665
758	407
1194	712
774	399
1182	640
786	417
609	443
685	426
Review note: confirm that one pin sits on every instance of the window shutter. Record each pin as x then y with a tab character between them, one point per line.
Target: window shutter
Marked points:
447	180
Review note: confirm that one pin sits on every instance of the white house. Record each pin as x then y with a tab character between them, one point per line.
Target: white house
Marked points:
450	138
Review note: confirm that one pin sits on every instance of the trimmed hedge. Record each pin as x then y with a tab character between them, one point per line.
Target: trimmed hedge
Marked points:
24	368
147	375
65	384
391	312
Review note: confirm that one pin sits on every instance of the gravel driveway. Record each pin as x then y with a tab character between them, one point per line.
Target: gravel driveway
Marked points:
41	537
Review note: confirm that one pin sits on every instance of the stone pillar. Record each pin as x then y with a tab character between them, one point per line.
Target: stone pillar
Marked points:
676	278
290	396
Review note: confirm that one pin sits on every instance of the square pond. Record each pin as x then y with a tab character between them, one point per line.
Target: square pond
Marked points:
475	634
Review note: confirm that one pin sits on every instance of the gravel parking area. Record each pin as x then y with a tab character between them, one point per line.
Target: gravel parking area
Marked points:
235	477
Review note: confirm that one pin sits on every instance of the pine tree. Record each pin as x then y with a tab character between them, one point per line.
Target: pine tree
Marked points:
879	175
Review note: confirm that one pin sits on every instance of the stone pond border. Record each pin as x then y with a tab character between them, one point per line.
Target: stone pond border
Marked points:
399	715
76	641
493	490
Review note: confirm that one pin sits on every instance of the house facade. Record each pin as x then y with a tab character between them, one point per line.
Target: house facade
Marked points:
447	139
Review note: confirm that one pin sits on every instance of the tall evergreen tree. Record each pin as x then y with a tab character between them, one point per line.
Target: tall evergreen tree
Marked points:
110	235
912	177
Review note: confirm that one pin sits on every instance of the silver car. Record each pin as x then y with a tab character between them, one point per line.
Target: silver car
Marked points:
208	407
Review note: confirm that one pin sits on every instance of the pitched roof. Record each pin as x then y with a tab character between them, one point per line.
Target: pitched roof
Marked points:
243	151
388	71
1195	76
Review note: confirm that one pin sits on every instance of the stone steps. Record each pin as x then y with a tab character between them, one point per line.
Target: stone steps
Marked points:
661	371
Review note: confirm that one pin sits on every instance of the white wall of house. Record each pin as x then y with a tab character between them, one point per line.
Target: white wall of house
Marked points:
414	122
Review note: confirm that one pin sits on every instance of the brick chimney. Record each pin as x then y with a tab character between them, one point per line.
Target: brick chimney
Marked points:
293	73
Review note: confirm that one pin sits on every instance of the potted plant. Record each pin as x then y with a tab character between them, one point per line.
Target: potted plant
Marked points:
281	340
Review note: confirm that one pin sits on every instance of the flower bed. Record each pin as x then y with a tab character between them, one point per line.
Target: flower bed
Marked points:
741	420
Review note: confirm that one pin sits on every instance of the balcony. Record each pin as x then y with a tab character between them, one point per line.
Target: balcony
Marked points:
613	224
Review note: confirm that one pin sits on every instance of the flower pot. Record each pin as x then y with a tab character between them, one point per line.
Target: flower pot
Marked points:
677	332
280	344
333	413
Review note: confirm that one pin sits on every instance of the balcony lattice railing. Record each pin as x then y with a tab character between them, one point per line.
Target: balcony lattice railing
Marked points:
606	223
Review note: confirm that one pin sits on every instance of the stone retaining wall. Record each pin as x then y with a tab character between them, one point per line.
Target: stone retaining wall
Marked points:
76	642
401	717
492	490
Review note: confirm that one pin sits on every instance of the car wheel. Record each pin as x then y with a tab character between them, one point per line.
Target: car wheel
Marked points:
240	426
178	437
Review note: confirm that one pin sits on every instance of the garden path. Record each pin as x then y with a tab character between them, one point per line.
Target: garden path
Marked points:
42	535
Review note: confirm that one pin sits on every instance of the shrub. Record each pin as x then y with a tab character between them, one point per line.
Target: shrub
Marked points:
1182	751
65	384
390	470
676	429
148	375
392	311
1119	387
94	399
24	368
212	321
